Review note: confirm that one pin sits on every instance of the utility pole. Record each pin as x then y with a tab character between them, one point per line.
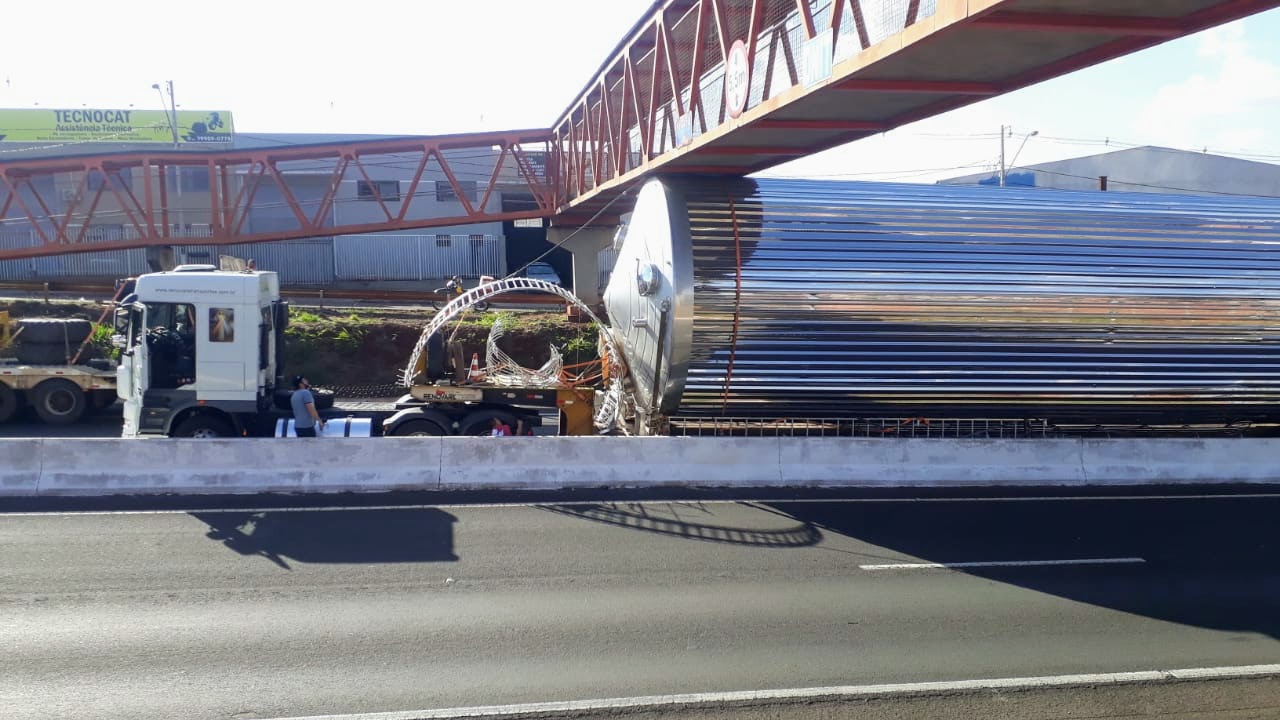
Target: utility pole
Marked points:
1002	168
170	113
173	107
1004	171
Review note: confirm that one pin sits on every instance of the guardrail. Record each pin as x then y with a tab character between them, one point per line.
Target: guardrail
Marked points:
104	291
43	467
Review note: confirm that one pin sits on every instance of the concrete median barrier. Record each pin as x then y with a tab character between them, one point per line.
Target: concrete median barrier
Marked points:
929	463
20	467
109	467
548	463
1169	461
106	467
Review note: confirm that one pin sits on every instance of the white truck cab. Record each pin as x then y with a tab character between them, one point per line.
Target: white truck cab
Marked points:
201	351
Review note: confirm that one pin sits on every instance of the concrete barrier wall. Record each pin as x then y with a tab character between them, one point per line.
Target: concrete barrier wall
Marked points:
1127	462
20	466
608	462
104	467
107	467
929	463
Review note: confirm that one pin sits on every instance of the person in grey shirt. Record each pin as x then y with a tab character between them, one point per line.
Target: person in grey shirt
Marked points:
305	417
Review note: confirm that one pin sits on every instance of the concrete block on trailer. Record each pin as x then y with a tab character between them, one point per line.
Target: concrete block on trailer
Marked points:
20	467
1175	461
850	462
559	462
310	465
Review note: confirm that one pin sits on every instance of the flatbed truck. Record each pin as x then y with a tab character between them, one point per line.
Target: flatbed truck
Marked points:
203	355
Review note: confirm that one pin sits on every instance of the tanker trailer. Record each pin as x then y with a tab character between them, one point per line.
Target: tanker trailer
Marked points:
799	299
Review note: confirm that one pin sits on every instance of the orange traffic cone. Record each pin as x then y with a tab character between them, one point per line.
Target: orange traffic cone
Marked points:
475	375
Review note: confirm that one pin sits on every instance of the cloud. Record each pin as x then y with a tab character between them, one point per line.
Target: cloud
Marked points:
1231	104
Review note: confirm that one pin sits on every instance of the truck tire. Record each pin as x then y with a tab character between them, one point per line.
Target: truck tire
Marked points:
480	422
419	428
54	330
59	402
42	353
8	402
204	427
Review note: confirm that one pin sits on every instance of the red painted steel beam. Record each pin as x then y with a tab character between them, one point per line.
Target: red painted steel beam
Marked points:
773	150
1103	24
941	87
229	208
843	125
1225	12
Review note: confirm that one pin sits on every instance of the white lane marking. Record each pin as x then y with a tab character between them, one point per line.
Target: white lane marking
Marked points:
685	501
839	691
1004	563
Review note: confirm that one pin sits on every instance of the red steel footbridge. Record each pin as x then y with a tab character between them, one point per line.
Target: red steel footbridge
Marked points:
723	87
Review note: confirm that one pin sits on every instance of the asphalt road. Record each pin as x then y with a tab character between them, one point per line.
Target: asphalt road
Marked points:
244	614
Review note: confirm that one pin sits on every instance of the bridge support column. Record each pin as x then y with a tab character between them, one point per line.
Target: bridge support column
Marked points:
585	246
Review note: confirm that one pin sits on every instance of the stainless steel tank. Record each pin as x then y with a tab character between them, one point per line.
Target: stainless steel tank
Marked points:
787	298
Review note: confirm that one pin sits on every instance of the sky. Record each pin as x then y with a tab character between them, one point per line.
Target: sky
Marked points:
420	67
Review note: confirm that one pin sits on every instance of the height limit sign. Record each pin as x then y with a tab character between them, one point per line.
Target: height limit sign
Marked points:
737	79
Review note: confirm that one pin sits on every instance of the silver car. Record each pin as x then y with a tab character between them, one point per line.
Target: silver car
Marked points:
542	271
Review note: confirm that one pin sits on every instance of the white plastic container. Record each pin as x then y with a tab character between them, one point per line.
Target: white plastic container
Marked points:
333	427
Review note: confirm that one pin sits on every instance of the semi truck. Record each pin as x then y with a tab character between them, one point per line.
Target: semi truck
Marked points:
204	355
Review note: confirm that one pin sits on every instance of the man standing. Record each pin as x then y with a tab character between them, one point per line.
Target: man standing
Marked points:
305	417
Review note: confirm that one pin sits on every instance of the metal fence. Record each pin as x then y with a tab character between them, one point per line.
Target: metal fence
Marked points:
939	428
605	260
417	257
298	262
317	261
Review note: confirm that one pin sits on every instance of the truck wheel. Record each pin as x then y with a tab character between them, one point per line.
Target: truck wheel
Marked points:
8	402
204	427
419	428
480	422
54	330
59	402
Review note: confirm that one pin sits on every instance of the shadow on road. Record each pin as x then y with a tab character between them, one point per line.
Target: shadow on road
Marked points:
1209	563
668	521
412	535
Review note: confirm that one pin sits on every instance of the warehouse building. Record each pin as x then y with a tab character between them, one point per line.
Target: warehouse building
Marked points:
1143	169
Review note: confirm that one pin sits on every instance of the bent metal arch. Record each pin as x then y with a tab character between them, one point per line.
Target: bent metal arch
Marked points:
607	416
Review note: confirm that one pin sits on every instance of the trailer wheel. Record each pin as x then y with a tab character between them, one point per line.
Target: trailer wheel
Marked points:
204	427
480	422
8	402
419	428
59	402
